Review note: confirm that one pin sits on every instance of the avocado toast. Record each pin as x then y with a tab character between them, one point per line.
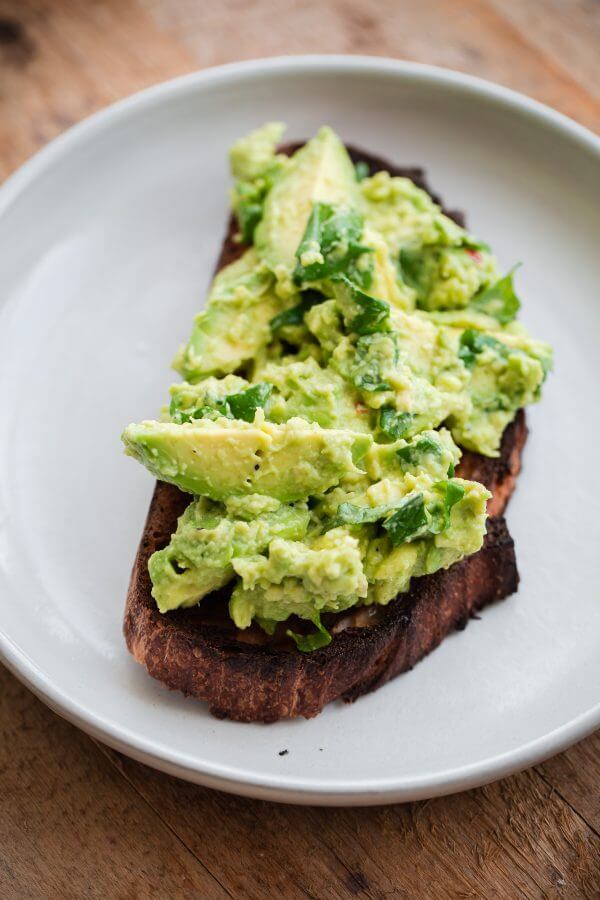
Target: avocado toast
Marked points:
330	531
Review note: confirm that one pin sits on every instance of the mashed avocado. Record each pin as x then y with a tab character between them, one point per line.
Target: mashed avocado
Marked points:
361	338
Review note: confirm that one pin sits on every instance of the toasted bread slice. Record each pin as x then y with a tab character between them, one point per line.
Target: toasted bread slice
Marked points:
248	676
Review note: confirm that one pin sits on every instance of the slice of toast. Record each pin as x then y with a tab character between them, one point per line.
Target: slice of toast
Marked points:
249	676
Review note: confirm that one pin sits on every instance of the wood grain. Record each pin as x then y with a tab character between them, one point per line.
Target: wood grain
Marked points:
497	836
77	819
473	36
575	776
61	61
70	825
566	30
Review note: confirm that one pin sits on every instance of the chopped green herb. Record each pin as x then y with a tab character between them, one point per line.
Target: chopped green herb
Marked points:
235	406
295	315
473	342
367	372
412	258
450	493
499	300
249	214
410	517
370	381
244	405
215	408
408	521
374	315
248	201
412	453
362	313
334	233
410	261
181	416
308	642
394	424
350	514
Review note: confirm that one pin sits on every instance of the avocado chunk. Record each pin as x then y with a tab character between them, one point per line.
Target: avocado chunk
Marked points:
235	324
321	171
455	525
230	458
294	574
430	452
303	388
507	371
199	556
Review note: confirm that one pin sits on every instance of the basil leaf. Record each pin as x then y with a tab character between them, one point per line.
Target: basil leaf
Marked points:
295	315
362	170
499	300
335	233
450	493
394	424
409	519
363	314
412	453
374	314
308	642
473	342
244	405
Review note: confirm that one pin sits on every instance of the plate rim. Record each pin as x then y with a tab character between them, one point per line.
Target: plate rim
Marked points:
233	779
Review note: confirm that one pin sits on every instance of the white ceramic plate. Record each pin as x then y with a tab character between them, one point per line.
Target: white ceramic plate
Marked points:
108	240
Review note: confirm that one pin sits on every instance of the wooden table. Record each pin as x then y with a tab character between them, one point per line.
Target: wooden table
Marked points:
77	819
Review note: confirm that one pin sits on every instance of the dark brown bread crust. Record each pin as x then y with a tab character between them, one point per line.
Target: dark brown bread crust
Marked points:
243	676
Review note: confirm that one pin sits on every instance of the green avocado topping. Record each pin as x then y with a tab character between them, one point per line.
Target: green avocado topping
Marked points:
360	339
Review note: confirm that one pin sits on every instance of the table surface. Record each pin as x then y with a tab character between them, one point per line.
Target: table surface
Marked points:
77	819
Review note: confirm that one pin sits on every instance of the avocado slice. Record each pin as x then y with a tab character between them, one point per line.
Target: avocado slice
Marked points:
229	458
320	171
235	323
